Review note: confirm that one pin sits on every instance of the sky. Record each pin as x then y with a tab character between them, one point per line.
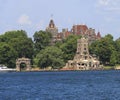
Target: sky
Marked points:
34	15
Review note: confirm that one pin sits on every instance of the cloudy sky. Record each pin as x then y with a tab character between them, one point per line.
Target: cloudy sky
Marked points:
34	15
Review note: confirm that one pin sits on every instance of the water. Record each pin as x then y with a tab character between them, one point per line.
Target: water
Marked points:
66	85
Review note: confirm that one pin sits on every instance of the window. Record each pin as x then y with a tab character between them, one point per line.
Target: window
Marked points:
85	57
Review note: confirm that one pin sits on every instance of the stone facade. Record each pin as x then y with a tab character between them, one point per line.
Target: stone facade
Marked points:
82	30
27	61
53	30
83	60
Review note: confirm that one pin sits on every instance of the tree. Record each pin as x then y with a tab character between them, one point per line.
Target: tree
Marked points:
7	55
104	49
59	43
7	36
69	47
117	46
23	46
113	58
50	56
42	39
19	45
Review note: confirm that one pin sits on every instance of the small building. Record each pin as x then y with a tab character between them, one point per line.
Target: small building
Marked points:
24	60
82	59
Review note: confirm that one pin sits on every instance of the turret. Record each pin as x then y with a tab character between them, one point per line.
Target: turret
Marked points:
98	35
51	24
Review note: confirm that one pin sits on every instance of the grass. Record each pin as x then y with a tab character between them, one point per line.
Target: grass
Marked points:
108	67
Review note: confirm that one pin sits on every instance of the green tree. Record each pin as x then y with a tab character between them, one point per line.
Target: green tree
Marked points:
113	58
7	36
50	56
104	49
7	55
23	46
59	43
117	46
69	47
42	39
16	41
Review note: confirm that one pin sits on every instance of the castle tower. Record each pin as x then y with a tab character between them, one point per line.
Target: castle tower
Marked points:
98	35
83	60
52	28
82	49
51	24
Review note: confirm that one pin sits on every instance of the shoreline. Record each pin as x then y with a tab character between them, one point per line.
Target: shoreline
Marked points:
68	70
59	70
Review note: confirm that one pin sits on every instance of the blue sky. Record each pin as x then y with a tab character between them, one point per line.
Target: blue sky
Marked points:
34	15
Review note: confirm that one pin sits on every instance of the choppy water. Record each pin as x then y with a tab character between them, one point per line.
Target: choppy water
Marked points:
70	85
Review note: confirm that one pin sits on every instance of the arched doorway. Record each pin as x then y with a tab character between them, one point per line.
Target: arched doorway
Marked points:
23	64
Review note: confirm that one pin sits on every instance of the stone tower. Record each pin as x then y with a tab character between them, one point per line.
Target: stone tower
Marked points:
52	29
82	59
82	49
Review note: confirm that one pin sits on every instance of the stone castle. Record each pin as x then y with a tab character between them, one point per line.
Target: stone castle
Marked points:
82	30
82	60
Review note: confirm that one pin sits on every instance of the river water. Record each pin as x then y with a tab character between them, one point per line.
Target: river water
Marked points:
64	85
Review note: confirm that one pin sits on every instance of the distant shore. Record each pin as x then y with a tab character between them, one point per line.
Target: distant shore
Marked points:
42	70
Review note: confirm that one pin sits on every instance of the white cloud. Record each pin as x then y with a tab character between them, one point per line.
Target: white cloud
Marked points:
24	20
109	5
103	2
114	9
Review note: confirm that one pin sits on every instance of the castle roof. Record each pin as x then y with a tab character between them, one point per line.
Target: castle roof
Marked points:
80	29
51	24
98	35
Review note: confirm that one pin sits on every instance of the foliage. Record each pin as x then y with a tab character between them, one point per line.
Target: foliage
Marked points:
15	44
23	46
105	50
42	39
59	43
50	56
7	55
113	58
69	47
117	46
12	34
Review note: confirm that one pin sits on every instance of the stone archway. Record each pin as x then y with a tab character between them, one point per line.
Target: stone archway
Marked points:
27	61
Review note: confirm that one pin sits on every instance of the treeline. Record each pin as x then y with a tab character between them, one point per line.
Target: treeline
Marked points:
13	45
107	49
16	44
55	56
